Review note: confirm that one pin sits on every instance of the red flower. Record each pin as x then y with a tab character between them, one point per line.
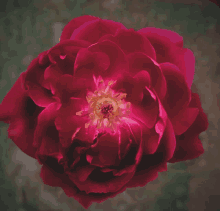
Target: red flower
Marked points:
106	108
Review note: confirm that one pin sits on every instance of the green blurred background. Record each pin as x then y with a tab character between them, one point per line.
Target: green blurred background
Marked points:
28	27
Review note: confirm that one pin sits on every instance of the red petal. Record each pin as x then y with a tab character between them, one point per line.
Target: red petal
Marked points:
168	142
92	60
52	75
169	48
131	41
127	84
41	96
139	62
83	172
63	54
105	151
74	24
182	122
178	94
55	179
34	83
188	144
43	58
163	35
91	31
118	61
21	112
188	147
147	111
45	119
71	126
87	199
67	87
100	182
147	171
143	78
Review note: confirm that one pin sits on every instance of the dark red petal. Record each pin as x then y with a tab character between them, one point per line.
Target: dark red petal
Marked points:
87	199
71	126
153	136
147	171
131	41
147	111
20	112
178	93
55	179
143	78
51	76
168	142
118	61
100	182
63	54
105	151
34	73
91	31
124	142
182	122
33	82
50	144
92	60
163	34
139	62
188	144
169	48
188	147
43	58
45	119
125	83
67	87
83	172
11	104
74	24
41	96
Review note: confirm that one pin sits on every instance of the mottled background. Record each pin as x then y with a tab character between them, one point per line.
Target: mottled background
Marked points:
30	27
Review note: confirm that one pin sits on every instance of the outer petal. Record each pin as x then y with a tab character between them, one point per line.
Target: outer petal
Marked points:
67	86
167	144
118	62
152	137
33	82
92	60
131	41
163	35
169	48
92	31
125	83
55	179
105	151
139	62
178	94
188	144
147	171
74	24
101	182
21	112
71	126
45	120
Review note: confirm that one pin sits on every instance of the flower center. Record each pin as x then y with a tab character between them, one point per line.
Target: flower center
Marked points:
106	108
